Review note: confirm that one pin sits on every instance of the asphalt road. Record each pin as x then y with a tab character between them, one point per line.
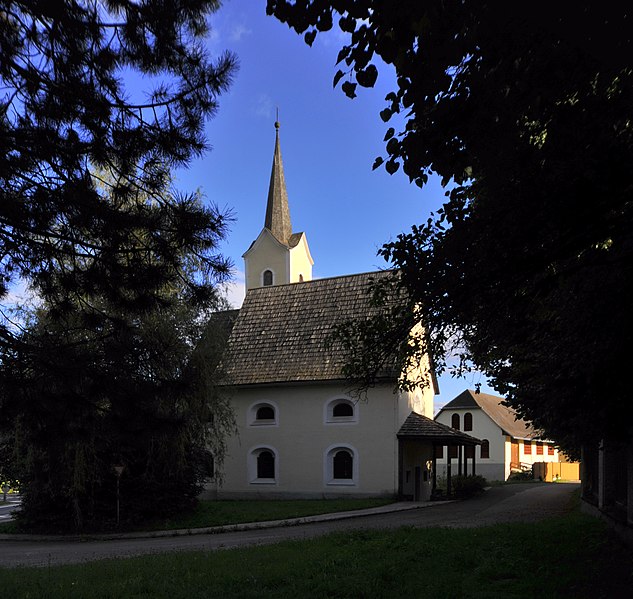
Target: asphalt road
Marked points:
510	503
6	509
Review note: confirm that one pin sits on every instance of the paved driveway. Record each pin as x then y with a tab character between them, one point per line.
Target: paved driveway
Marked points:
6	509
510	503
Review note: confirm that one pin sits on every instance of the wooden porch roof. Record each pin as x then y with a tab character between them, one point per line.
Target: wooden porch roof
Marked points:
422	428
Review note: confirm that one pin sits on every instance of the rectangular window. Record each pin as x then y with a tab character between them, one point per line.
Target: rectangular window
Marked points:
470	451
550	450
527	447
439	451
539	448
452	451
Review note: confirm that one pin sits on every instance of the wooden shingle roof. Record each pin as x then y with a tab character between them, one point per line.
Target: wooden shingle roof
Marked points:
420	427
504	417
283	332
277	219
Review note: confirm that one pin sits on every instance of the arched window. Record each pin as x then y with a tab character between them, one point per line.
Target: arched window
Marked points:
262	464
468	421
343	465
300	278
266	464
485	449
343	409
455	421
265	412
267	278
340	465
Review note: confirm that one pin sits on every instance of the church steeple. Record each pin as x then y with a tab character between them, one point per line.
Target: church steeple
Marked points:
278	256
277	211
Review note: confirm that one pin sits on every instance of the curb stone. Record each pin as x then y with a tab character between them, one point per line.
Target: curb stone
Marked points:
385	509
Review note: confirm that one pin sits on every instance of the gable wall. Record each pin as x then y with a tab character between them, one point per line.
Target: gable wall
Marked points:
300	262
301	437
419	400
492	468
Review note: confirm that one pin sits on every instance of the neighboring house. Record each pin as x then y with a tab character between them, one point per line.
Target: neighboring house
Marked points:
299	431
508	444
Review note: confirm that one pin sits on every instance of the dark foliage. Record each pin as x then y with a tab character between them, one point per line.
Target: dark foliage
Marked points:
465	487
109	370
526	115
96	388
68	114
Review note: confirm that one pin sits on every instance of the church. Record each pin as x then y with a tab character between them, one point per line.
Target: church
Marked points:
300	432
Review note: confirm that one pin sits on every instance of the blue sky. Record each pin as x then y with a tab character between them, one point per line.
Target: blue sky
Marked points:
328	145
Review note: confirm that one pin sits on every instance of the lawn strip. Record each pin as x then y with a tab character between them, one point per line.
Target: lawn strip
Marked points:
568	556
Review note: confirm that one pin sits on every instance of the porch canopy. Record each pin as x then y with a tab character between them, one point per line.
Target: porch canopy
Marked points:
418	429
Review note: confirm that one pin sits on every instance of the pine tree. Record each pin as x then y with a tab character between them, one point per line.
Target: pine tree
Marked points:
108	370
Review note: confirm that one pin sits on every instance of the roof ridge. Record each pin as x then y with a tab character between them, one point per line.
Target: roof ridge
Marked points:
320	279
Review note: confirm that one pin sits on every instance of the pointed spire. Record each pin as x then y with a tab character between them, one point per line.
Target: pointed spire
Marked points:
277	210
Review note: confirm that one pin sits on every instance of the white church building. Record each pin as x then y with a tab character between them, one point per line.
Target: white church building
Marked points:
300	433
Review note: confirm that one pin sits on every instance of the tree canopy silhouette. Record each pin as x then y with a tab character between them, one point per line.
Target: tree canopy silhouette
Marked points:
69	108
99	102
525	115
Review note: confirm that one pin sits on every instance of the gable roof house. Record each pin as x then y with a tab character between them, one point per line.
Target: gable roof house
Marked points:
509	444
299	432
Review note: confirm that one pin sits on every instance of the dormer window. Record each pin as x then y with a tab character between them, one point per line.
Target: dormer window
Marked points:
267	278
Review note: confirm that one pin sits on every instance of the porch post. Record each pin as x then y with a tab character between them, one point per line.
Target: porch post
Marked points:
448	470
629	484
400	468
604	498
459	459
465	462
474	456
434	466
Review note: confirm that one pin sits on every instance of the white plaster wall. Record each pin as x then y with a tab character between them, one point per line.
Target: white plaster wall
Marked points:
300	261
508	457
266	253
301	438
419	400
417	455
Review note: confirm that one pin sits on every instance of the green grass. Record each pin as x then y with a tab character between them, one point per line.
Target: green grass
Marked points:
568	556
218	513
